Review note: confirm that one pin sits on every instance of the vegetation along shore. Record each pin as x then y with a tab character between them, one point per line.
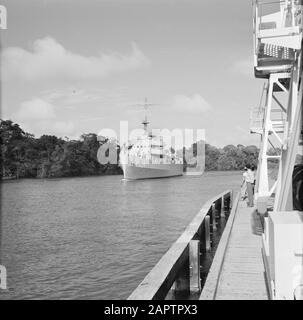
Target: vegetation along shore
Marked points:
25	156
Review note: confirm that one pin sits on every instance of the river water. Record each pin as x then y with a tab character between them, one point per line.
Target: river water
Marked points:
94	237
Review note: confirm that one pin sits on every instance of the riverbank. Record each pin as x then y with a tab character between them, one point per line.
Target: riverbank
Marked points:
103	175
53	177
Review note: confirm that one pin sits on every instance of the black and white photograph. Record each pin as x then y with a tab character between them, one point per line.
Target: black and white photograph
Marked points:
151	150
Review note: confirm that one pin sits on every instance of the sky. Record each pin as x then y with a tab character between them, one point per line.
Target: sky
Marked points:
78	66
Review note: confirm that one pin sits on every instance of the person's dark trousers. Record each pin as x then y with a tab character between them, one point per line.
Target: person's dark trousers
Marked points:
250	194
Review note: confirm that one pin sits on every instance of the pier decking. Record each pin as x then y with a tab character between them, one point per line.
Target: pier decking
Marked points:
238	270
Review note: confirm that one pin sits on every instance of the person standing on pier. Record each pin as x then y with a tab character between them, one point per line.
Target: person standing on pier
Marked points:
248	185
243	186
248	179
253	169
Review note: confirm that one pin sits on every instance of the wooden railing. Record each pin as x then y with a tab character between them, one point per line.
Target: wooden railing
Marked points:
180	266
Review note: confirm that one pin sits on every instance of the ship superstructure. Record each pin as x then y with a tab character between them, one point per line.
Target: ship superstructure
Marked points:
148	157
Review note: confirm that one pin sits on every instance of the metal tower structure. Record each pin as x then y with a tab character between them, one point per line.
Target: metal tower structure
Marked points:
278	59
278	120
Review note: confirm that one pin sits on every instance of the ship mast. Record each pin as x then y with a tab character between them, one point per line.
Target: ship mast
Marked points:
145	122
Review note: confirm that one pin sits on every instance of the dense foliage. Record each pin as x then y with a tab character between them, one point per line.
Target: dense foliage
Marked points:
23	155
230	157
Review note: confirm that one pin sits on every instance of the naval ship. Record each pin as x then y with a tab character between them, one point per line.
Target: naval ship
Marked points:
148	157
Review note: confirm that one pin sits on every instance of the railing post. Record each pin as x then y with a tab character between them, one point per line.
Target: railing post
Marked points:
194	265
222	207
231	199
207	233
213	217
182	280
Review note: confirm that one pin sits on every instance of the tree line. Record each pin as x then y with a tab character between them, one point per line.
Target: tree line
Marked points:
25	156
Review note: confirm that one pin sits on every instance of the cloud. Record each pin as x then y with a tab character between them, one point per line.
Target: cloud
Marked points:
48	59
39	117
195	104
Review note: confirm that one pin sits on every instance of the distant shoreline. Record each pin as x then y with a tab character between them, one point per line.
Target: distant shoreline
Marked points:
50	178
3	179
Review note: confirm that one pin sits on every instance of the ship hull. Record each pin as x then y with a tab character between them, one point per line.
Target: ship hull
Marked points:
152	171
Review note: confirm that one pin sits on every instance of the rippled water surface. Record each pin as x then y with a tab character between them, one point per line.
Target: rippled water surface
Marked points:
95	237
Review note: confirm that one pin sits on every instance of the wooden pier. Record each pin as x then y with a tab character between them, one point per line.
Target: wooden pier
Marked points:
237	271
